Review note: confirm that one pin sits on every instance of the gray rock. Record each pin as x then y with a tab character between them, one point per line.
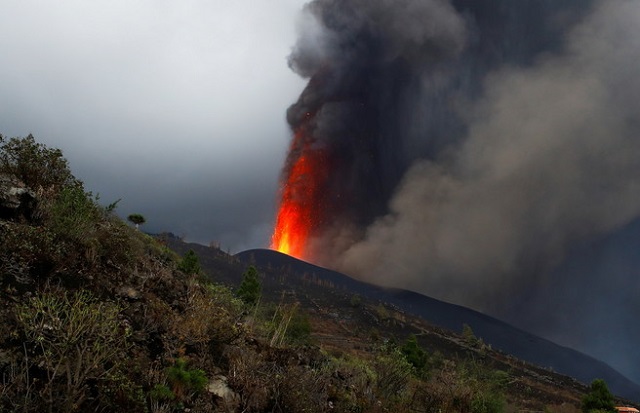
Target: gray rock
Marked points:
16	199
219	387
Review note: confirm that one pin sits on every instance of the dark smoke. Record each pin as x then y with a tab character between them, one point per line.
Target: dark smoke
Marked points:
475	145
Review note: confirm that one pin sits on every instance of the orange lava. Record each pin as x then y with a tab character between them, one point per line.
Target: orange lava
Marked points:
300	203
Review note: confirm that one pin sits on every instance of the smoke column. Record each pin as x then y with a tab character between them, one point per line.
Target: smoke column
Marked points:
464	148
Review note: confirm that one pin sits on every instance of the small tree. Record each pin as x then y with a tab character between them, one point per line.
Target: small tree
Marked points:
469	336
137	219
249	290
190	263
599	398
414	354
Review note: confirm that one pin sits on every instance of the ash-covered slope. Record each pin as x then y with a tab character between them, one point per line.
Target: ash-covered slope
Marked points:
499	334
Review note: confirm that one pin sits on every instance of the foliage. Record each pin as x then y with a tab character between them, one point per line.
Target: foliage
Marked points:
190	263
74	215
299	331
599	398
185	381
414	354
382	312
393	373
74	339
249	290
469	336
486	401
137	219
210	318
38	166
287	324
355	301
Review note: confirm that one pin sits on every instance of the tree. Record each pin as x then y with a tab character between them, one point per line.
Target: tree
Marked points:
190	263
249	290
469	337
599	398
137	219
414	354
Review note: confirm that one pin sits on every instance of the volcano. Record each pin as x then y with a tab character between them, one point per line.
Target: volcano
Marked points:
473	150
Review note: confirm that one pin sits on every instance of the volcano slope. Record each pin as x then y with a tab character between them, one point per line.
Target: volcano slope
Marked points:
348	316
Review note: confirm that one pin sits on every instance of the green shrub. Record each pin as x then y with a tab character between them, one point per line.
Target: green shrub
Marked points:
38	166
75	340
249	290
162	393
415	355
355	301
185	381
74	215
393	373
299	330
599	398
487	402
190	263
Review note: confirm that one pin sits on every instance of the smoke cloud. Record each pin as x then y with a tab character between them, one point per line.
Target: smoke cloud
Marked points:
549	160
473	145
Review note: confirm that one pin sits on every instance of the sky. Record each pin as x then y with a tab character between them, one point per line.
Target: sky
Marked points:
177	108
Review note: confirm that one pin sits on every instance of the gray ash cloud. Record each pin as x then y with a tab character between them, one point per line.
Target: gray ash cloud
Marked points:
475	145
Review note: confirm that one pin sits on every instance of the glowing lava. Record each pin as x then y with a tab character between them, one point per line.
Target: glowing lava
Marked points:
301	202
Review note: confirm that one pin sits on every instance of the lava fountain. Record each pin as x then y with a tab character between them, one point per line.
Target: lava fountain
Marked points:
301	204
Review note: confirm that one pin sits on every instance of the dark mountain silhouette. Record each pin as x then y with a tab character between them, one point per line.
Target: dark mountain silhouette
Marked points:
498	334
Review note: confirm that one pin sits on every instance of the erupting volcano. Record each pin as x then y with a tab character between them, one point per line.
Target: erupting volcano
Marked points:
462	148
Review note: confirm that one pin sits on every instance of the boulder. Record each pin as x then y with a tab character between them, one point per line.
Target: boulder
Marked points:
16	199
219	387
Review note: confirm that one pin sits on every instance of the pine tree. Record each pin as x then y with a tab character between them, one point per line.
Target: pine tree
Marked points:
249	290
599	398
190	263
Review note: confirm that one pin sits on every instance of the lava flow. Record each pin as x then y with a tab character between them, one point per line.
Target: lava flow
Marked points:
300	204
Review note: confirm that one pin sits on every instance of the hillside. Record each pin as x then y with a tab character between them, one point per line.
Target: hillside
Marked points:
498	334
329	295
99	316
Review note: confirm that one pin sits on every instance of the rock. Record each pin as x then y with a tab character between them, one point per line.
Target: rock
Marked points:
16	199
128	292
219	386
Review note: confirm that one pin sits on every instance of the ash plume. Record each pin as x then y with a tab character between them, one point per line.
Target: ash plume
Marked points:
472	144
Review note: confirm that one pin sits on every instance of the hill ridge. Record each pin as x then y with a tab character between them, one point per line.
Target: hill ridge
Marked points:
499	334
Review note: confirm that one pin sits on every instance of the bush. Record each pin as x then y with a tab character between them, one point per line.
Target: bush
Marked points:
249	290
38	166
190	263
185	382
75	340
299	331
487	402
74	215
599	398
209	319
415	355
393	373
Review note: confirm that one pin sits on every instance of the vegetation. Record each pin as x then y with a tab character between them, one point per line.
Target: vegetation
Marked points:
190	263
39	167
97	316
415	355
249	290
137	219
599	399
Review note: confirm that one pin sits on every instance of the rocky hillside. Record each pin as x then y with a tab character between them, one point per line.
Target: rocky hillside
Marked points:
98	316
